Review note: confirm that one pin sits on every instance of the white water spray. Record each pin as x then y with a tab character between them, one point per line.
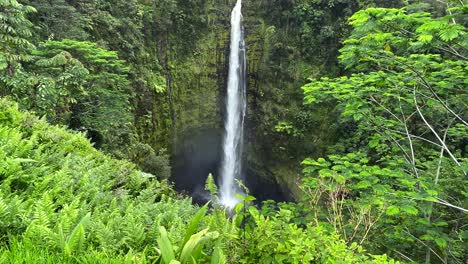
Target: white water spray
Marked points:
235	109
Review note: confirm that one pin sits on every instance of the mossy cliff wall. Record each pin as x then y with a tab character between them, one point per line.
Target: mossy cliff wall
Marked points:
277	69
176	52
198	72
287	43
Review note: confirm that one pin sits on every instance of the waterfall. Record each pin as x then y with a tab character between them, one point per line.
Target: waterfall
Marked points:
235	110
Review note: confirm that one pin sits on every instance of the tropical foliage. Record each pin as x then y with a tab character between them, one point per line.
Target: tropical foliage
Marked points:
62	201
381	114
401	184
61	197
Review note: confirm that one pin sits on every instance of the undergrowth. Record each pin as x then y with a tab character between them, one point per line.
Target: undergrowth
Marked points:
62	201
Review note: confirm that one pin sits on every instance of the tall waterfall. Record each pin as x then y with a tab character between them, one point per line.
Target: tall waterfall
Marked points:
235	108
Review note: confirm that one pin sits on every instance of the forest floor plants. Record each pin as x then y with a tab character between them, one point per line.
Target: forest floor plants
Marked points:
62	201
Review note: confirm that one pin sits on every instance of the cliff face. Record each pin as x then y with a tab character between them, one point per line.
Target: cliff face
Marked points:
177	57
289	42
279	62
198	73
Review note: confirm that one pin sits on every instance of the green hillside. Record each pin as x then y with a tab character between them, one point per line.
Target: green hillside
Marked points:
354	144
62	201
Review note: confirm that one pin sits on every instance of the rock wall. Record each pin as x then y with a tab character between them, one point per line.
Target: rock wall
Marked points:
280	130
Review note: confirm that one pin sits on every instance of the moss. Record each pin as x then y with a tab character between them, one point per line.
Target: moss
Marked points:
276	71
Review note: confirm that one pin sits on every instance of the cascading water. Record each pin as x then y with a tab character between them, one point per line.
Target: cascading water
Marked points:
235	108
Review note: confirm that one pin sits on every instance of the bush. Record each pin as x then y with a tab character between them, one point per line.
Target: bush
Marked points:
61	199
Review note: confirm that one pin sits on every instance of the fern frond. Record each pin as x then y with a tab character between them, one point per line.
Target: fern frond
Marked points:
3	210
77	238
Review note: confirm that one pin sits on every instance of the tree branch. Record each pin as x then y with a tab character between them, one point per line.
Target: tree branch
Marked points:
433	131
410	142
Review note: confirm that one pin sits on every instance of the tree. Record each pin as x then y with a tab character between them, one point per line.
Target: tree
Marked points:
50	84
102	103
15	30
57	19
81	85
407	101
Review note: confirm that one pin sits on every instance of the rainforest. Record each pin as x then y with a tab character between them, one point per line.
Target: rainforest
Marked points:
233	131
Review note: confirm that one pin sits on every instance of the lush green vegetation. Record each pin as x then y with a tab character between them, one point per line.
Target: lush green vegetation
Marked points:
380	127
62	201
399	181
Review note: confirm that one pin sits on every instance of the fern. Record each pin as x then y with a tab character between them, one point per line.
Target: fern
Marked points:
3	210
218	255
67	181
44	209
77	237
103	236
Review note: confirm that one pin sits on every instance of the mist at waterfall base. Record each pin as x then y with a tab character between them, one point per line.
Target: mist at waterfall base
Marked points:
200	154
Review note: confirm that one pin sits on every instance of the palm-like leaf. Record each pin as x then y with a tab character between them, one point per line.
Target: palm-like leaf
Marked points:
192	227
165	246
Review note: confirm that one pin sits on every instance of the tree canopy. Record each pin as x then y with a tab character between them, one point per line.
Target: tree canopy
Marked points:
406	95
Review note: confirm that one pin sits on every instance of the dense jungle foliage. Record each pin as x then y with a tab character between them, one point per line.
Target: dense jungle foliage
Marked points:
371	152
62	201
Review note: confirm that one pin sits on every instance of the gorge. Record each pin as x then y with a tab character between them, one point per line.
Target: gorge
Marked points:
343	123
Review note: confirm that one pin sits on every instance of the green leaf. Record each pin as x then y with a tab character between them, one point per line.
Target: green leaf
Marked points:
249	198
25	160
440	223
442	243
427	238
218	255
254	212
449	34
425	38
392	210
192	227
339	178
410	210
193	246
375	141
363	185
430	199
77	236
3	62
165	246
321	163
463	235
326	173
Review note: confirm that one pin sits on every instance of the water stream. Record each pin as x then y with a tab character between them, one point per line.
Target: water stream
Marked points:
231	167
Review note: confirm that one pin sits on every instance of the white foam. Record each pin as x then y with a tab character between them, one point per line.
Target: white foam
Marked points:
235	110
